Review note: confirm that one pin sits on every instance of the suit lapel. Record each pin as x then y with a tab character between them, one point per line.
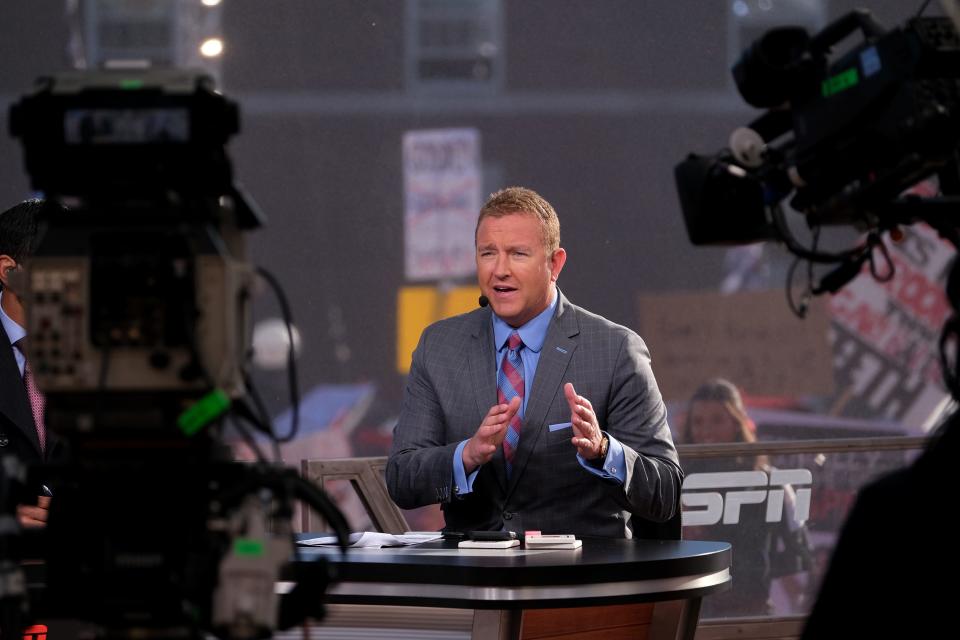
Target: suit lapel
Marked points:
484	377
13	395
555	357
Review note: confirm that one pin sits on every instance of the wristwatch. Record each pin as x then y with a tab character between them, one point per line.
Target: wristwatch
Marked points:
604	445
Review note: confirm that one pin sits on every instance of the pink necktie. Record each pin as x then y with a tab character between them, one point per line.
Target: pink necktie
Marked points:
509	385
37	401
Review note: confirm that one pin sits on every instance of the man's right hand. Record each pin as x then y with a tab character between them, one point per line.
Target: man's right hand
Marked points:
484	443
34	515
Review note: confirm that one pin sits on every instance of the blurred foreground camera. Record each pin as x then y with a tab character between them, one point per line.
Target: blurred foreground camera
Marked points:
137	299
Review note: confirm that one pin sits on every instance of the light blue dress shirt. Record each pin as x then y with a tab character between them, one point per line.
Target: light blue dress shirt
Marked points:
14	332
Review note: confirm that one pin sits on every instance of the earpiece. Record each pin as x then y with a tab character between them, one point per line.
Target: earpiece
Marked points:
4	281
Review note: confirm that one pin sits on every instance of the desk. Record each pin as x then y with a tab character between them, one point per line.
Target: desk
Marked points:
500	584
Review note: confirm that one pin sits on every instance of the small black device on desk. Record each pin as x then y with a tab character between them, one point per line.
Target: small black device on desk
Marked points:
490	540
491	535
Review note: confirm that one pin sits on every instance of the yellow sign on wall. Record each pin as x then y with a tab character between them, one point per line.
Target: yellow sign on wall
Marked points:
420	306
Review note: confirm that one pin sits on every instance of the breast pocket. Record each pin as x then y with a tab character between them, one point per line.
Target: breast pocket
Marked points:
558	456
557	438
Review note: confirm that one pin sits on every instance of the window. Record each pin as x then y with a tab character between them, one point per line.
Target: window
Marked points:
454	45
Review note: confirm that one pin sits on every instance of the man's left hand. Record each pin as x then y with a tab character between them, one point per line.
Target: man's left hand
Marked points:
587	437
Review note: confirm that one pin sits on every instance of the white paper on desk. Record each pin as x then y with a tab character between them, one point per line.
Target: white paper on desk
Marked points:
375	539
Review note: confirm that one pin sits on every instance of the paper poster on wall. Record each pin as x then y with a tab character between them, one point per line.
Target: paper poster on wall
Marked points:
442	178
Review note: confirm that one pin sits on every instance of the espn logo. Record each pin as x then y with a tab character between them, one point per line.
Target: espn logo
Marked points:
709	505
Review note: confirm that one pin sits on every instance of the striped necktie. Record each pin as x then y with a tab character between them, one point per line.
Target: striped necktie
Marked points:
510	385
37	400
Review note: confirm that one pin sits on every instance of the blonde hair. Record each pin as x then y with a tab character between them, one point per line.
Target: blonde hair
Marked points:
526	201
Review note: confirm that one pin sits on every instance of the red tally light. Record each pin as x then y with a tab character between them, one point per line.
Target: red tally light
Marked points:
36	632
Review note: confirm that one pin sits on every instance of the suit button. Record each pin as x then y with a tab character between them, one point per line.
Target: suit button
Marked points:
4	440
507	515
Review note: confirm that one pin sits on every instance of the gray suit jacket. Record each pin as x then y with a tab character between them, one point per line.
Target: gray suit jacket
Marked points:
451	387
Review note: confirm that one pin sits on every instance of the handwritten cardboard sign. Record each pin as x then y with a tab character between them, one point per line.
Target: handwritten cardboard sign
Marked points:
750	338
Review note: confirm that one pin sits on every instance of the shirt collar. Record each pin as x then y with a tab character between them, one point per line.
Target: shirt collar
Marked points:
533	333
14	330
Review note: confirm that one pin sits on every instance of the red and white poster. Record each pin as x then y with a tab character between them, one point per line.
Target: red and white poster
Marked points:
442	177
886	334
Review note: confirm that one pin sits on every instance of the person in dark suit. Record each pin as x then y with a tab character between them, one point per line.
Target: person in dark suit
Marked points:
20	432
533	413
890	575
892	568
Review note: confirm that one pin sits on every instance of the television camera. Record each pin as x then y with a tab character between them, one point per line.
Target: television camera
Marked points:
843	137
137	297
869	141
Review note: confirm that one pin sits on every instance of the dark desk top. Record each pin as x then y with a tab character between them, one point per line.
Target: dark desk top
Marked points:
602	571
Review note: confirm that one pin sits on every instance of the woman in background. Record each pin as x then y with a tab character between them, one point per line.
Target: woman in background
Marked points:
716	414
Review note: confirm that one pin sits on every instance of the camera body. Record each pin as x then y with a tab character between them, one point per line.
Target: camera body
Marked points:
842	139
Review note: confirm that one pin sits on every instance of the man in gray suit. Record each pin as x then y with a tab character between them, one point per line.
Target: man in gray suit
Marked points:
539	415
